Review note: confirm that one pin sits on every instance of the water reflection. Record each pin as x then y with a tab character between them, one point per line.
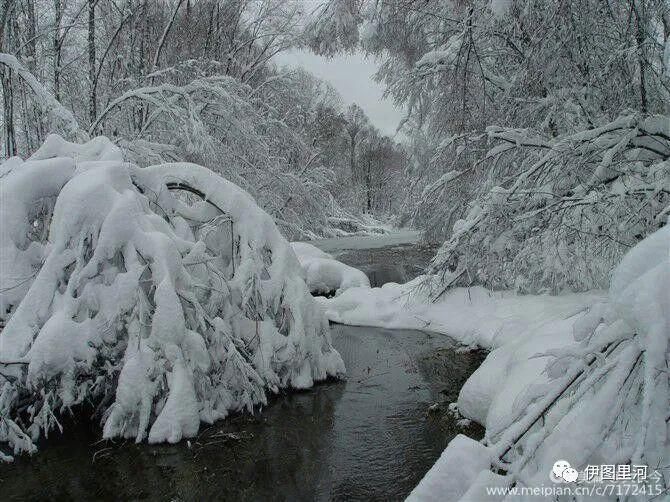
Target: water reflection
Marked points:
367	438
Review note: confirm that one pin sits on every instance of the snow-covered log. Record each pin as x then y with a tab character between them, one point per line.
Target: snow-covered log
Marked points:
163	296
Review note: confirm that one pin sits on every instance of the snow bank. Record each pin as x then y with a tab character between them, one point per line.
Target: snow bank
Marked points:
355	225
580	377
324	274
164	296
473	316
464	459
396	237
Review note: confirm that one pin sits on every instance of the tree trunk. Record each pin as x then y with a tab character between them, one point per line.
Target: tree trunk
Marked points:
6	79
638	10
8	112
166	32
352	156
368	183
93	99
58	12
31	56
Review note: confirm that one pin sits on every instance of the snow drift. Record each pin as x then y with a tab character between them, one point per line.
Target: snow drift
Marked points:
162	295
591	388
324	274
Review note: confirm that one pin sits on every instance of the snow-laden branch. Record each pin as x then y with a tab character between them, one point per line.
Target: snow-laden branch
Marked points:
164	296
593	192
233	129
61	120
611	392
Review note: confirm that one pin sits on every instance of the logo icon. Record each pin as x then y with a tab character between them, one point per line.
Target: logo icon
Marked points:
562	471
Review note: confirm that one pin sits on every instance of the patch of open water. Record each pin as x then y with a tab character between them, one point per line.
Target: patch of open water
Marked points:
370	437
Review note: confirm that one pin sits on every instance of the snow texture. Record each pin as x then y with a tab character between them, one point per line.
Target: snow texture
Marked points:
464	459
162	295
579	377
324	274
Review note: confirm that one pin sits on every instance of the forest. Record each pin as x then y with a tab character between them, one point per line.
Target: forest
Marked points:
162	169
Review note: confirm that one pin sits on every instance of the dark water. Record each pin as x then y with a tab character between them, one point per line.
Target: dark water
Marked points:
370	437
390	264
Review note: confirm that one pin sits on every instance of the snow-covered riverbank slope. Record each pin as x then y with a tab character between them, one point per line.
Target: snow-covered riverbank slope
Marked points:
581	377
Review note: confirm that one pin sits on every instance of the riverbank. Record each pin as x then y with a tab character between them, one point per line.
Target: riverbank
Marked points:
571	376
373	435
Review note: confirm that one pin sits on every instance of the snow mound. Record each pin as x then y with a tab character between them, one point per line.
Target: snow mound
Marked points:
306	251
163	296
326	275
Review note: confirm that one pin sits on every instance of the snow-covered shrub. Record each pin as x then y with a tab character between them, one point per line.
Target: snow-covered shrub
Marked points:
613	392
163	296
586	381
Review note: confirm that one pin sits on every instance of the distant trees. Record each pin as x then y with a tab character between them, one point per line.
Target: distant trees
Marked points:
356	123
538	129
180	81
380	173
376	165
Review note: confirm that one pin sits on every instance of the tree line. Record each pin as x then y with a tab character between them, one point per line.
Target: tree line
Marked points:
540	129
196	81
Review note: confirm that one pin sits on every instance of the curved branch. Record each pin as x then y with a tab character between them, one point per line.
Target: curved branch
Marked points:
48	103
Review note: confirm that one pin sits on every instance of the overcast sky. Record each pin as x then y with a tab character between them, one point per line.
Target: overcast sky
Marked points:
351	75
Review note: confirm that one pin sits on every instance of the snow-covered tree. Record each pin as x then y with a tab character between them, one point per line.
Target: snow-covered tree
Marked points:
606	398
546	128
166	86
161	296
557	212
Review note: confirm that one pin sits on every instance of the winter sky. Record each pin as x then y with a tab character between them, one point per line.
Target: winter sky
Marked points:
352	76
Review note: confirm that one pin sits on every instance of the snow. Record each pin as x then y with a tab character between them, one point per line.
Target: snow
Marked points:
305	251
350	224
98	149
445	55
571	376
500	7
172	308
479	489
464	459
323	274
473	316
397	237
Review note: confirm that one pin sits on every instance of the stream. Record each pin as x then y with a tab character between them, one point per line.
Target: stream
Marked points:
369	437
